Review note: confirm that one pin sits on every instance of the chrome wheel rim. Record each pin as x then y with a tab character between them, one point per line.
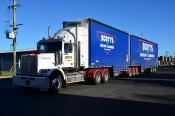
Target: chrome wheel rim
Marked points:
98	77
56	83
106	76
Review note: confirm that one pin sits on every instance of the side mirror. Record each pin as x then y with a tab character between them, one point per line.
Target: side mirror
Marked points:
70	48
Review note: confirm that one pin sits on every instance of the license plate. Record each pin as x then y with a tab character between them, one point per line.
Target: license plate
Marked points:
27	82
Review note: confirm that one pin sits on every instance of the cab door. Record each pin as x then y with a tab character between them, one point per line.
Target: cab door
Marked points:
68	55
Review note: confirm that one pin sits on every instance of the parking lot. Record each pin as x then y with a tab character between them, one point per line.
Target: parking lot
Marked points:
152	94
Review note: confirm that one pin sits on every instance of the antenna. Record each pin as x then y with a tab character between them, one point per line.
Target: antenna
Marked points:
49	29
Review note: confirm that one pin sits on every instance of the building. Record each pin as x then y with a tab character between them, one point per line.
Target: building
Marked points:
6	58
166	60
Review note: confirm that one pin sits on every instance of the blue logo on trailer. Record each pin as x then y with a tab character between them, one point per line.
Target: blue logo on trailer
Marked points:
107	41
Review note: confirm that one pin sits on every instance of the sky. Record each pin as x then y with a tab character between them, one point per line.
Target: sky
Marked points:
151	19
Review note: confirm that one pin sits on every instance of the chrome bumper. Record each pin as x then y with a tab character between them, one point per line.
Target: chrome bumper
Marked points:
30	81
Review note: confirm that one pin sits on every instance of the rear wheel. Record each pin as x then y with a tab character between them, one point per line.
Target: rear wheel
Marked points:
130	72
137	71
55	83
105	77
97	78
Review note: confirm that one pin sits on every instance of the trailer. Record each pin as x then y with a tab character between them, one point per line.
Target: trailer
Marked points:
85	50
143	55
107	47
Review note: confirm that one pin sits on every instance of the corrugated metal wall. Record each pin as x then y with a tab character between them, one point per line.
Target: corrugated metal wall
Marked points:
6	62
6	59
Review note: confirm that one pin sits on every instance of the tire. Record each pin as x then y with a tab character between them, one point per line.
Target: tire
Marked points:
55	83
137	71
105	77
130	72
97	78
134	72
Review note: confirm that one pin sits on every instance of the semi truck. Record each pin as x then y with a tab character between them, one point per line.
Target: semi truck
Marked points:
85	50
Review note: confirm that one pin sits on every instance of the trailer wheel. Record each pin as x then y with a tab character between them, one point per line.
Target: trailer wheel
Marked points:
155	69
130	72
105	77
134	71
97	77
137	71
55	83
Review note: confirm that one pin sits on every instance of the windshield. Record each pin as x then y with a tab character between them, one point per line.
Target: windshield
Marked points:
50	47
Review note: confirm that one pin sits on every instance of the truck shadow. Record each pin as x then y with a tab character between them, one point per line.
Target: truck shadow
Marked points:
161	79
165	97
170	68
16	102
5	82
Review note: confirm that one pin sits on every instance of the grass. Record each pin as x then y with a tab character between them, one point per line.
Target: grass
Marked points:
6	73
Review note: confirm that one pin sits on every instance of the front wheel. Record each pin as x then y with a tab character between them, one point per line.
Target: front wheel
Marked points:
55	83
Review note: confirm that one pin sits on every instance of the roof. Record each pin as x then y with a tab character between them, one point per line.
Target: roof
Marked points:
75	22
144	39
49	40
22	50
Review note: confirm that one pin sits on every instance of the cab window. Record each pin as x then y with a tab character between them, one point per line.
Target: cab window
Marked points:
67	48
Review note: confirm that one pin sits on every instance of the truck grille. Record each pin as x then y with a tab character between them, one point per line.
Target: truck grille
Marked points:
29	65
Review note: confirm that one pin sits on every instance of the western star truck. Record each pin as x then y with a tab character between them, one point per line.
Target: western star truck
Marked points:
85	50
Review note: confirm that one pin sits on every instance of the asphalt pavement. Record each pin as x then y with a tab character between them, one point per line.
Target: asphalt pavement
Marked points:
145	95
